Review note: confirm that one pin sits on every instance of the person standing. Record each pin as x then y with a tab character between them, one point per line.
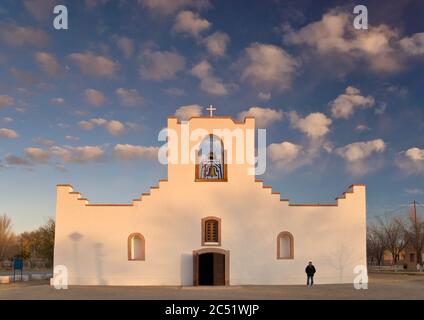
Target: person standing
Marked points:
310	271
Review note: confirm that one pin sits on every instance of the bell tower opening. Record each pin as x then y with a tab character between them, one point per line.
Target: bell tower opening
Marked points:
211	164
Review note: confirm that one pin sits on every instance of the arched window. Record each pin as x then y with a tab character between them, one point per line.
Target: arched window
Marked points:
210	160
136	247
211	231
285	246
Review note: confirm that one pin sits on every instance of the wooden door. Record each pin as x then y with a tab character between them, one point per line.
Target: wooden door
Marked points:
218	269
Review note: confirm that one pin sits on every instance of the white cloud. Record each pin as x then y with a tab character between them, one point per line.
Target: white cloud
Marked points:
91	4
134	126
16	161
381	108
202	69
37	154
160	65
413	45
17	36
415	192
40	9
186	112
86	125
94	97
129	97
335	33
166	7
71	138
264	116
356	153
209	83
315	125
398	90
361	128
264	96
6	101
177	92
126	45
25	79
132	152
8	133
7	119
191	23
217	43
114	127
267	67
411	160
345	104
283	153
287	156
415	154
58	100
47	63
96	65
78	154
360	150
44	142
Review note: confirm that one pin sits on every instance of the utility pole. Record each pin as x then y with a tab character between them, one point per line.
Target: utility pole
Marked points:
418	245
415	212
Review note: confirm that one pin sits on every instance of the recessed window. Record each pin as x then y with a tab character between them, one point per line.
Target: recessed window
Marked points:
285	246
211	231
136	247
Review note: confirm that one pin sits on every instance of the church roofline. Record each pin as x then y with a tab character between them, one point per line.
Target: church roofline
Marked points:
214	117
336	204
88	204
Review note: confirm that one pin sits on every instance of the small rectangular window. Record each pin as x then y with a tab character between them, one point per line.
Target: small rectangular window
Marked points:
211	231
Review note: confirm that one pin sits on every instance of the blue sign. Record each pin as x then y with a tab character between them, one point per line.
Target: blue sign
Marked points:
18	264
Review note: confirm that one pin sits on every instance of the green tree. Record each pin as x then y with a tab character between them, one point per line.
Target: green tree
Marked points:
45	241
38	244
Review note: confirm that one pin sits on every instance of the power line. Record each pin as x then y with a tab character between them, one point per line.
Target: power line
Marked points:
390	212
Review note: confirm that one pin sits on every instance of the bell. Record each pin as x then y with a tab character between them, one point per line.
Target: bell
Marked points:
212	172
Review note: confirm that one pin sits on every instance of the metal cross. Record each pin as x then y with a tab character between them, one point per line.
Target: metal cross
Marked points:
211	109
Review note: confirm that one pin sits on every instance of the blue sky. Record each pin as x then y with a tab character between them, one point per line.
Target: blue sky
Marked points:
340	105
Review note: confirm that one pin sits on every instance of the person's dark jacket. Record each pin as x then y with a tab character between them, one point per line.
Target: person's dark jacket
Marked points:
310	270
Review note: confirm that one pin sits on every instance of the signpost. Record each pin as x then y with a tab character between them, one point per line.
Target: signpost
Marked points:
18	264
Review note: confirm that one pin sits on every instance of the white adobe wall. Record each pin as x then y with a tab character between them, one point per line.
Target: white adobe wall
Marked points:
91	240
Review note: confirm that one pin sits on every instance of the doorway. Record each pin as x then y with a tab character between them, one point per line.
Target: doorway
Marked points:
211	267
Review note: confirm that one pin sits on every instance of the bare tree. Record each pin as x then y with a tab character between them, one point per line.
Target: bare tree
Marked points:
394	237
414	231
6	236
375	245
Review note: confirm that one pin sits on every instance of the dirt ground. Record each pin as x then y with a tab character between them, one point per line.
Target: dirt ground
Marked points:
381	286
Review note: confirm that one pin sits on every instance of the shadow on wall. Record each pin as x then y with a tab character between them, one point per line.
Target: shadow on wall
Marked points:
98	263
186	269
341	260
75	238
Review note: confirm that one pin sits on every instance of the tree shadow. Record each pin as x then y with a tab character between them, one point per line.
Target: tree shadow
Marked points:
98	261
76	238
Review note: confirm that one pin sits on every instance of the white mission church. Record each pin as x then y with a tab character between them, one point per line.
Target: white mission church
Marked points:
209	223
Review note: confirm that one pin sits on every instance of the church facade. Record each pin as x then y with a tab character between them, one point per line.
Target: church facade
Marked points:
209	223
